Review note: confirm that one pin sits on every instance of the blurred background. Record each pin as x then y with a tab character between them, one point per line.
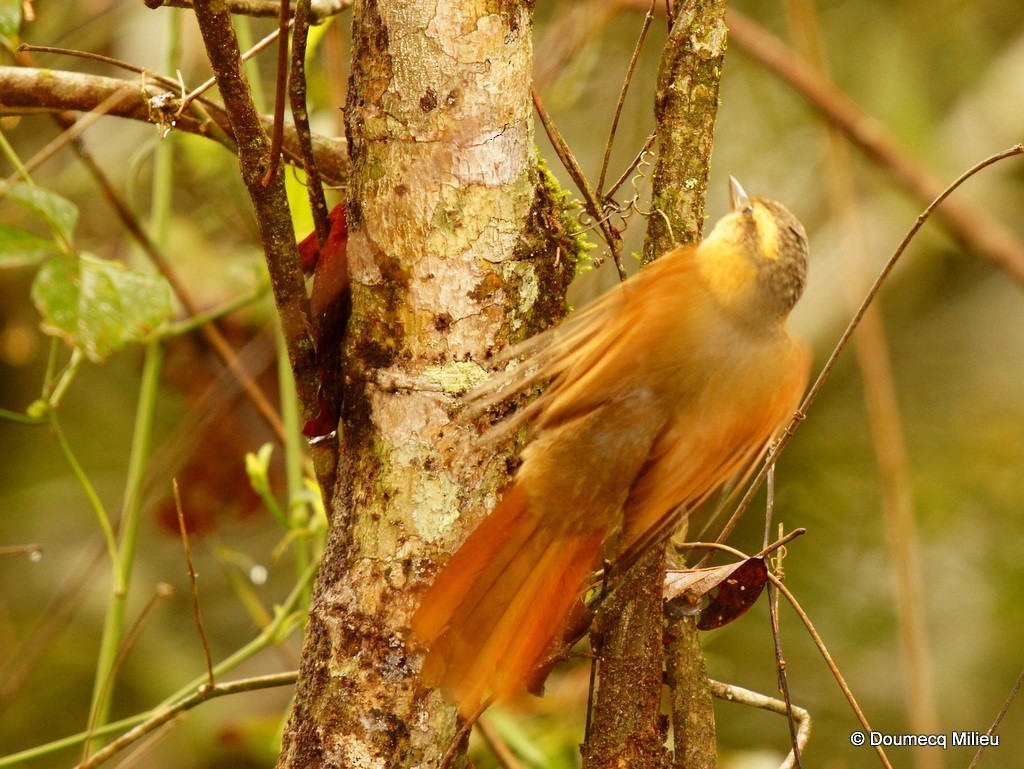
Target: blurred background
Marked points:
943	78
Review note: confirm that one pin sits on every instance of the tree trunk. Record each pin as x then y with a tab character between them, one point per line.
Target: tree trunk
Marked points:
456	246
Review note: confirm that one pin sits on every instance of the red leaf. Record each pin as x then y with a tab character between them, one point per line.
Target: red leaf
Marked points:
330	278
330	304
735	594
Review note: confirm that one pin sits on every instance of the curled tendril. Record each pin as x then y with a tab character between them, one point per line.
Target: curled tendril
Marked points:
616	212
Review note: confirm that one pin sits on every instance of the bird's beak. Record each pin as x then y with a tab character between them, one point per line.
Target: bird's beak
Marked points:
737	195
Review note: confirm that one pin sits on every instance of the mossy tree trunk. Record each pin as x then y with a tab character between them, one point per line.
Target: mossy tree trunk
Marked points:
456	246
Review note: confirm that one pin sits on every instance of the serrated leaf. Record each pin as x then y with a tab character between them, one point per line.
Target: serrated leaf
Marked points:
10	19
99	306
60	214
19	247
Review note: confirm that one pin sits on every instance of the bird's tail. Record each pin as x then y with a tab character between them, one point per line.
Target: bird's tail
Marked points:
496	607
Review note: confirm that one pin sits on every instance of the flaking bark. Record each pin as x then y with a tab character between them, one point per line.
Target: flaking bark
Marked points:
452	250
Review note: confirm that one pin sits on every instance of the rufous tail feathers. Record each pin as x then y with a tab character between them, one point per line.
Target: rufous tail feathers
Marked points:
503	598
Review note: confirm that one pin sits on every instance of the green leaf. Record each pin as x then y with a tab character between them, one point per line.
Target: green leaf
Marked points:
99	306
60	214
10	19
19	247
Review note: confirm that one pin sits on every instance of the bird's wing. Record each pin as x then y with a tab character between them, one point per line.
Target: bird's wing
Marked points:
712	440
593	356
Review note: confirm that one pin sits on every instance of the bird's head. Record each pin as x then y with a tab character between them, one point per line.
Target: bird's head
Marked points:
755	258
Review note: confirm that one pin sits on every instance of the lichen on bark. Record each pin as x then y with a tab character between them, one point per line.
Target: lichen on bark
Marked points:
452	251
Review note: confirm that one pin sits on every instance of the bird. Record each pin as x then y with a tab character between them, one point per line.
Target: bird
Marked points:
659	393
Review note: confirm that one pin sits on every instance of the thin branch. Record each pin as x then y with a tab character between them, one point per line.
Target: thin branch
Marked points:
319	11
847	692
162	592
281	87
270	203
34	552
622	94
194	587
822	649
973	227
297	97
1014	691
28	89
91	56
844	339
258	47
201	695
591	203
773	612
797	715
631	167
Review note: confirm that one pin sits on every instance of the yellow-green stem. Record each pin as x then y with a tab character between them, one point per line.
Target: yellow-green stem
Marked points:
285	621
298	509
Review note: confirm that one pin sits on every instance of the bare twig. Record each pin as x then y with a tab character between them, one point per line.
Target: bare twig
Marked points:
766	550
622	94
269	202
34	552
320	9
210	83
193	586
28	89
844	339
797	715
822	649
631	167
202	117
91	56
297	97
201	695
162	592
780	660
281	81
1014	691
591	203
